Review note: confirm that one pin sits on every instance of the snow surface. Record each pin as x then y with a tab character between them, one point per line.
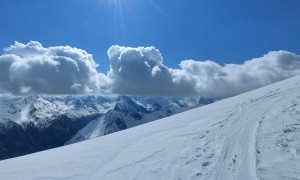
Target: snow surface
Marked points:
255	135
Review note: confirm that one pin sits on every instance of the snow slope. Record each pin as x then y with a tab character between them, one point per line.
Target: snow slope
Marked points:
255	135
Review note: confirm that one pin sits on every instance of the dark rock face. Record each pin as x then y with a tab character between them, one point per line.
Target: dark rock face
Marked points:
13	141
17	140
121	124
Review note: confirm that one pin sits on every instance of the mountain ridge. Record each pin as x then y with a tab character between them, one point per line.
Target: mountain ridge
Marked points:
38	122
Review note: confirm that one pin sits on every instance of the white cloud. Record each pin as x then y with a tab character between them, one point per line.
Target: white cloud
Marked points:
231	79
141	71
32	68
234	79
32	48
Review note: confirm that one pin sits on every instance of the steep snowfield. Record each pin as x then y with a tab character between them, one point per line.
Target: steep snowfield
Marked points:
251	136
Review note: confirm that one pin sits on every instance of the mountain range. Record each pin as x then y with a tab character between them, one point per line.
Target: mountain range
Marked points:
35	123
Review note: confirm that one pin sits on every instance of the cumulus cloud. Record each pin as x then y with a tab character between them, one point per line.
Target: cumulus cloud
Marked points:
141	71
232	79
32	68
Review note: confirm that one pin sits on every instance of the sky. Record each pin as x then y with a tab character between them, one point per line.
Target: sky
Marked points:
223	31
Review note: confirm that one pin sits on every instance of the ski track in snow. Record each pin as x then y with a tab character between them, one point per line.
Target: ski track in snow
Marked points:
251	136
238	147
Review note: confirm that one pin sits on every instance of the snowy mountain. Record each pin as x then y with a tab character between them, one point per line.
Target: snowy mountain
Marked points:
255	135
35	123
133	111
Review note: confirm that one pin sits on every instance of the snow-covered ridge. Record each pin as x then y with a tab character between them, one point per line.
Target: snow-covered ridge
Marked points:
34	123
255	135
21	109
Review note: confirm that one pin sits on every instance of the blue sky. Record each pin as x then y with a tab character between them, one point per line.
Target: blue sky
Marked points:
225	31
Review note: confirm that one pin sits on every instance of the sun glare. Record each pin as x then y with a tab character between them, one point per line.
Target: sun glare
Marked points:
123	9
